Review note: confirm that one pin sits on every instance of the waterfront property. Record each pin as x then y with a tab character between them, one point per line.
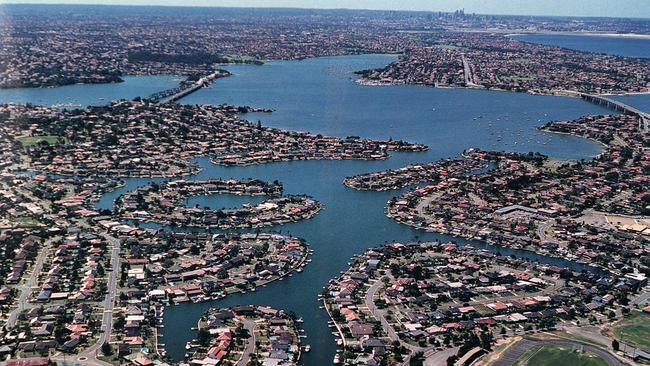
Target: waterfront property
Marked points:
528	201
399	300
245	335
147	268
163	204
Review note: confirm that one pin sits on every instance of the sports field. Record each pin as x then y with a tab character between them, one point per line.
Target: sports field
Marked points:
555	355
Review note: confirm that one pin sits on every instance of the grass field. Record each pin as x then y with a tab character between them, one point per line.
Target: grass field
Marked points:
33	140
26	222
449	46
635	329
554	356
243	59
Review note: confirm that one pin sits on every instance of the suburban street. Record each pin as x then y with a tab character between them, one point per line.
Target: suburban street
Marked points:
26	288
107	319
249	325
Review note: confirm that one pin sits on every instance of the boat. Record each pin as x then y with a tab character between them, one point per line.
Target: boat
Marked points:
300	320
337	359
307	348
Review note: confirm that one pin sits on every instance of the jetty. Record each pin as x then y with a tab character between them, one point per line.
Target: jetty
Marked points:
618	106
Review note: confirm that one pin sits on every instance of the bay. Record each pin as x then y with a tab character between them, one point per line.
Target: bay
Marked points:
82	95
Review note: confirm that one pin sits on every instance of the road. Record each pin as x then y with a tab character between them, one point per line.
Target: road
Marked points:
467	71
542	231
641	298
108	303
249	349
26	288
376	313
439	358
379	315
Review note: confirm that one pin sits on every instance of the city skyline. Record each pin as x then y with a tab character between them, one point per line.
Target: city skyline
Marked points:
582	8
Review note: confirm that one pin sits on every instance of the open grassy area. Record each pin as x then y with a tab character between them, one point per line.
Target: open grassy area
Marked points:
449	46
634	329
33	140
243	59
517	78
553	356
26	222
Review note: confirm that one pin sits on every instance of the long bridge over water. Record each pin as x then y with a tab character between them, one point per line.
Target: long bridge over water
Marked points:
174	94
618	106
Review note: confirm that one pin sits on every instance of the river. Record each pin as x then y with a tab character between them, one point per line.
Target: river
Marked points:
612	45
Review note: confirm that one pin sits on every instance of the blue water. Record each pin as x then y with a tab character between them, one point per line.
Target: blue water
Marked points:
90	94
640	101
320	95
619	46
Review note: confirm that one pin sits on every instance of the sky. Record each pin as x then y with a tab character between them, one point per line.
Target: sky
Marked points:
609	8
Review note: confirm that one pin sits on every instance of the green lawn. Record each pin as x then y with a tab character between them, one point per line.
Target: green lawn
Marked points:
26	221
554	356
33	140
635	329
449	46
243	59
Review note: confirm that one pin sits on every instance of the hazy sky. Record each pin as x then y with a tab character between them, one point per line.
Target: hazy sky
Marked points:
613	8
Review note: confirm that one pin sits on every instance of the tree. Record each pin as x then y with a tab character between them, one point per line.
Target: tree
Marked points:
119	322
107	349
417	359
451	361
203	337
615	345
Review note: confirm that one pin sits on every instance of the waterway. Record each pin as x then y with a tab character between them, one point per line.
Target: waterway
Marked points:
320	95
89	94
639	101
619	46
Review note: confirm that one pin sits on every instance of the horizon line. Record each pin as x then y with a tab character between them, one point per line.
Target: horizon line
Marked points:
317	9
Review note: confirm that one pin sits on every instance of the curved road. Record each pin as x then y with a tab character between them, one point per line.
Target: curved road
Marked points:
249	325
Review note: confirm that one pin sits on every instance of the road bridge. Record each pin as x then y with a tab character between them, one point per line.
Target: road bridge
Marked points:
618	106
174	94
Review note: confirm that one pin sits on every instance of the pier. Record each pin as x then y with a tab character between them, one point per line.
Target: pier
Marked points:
644	118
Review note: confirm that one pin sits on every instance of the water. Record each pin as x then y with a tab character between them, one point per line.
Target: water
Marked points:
351	222
619	46
639	101
320	95
90	94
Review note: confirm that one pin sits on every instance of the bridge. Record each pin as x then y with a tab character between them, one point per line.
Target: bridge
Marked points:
174	94
618	106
